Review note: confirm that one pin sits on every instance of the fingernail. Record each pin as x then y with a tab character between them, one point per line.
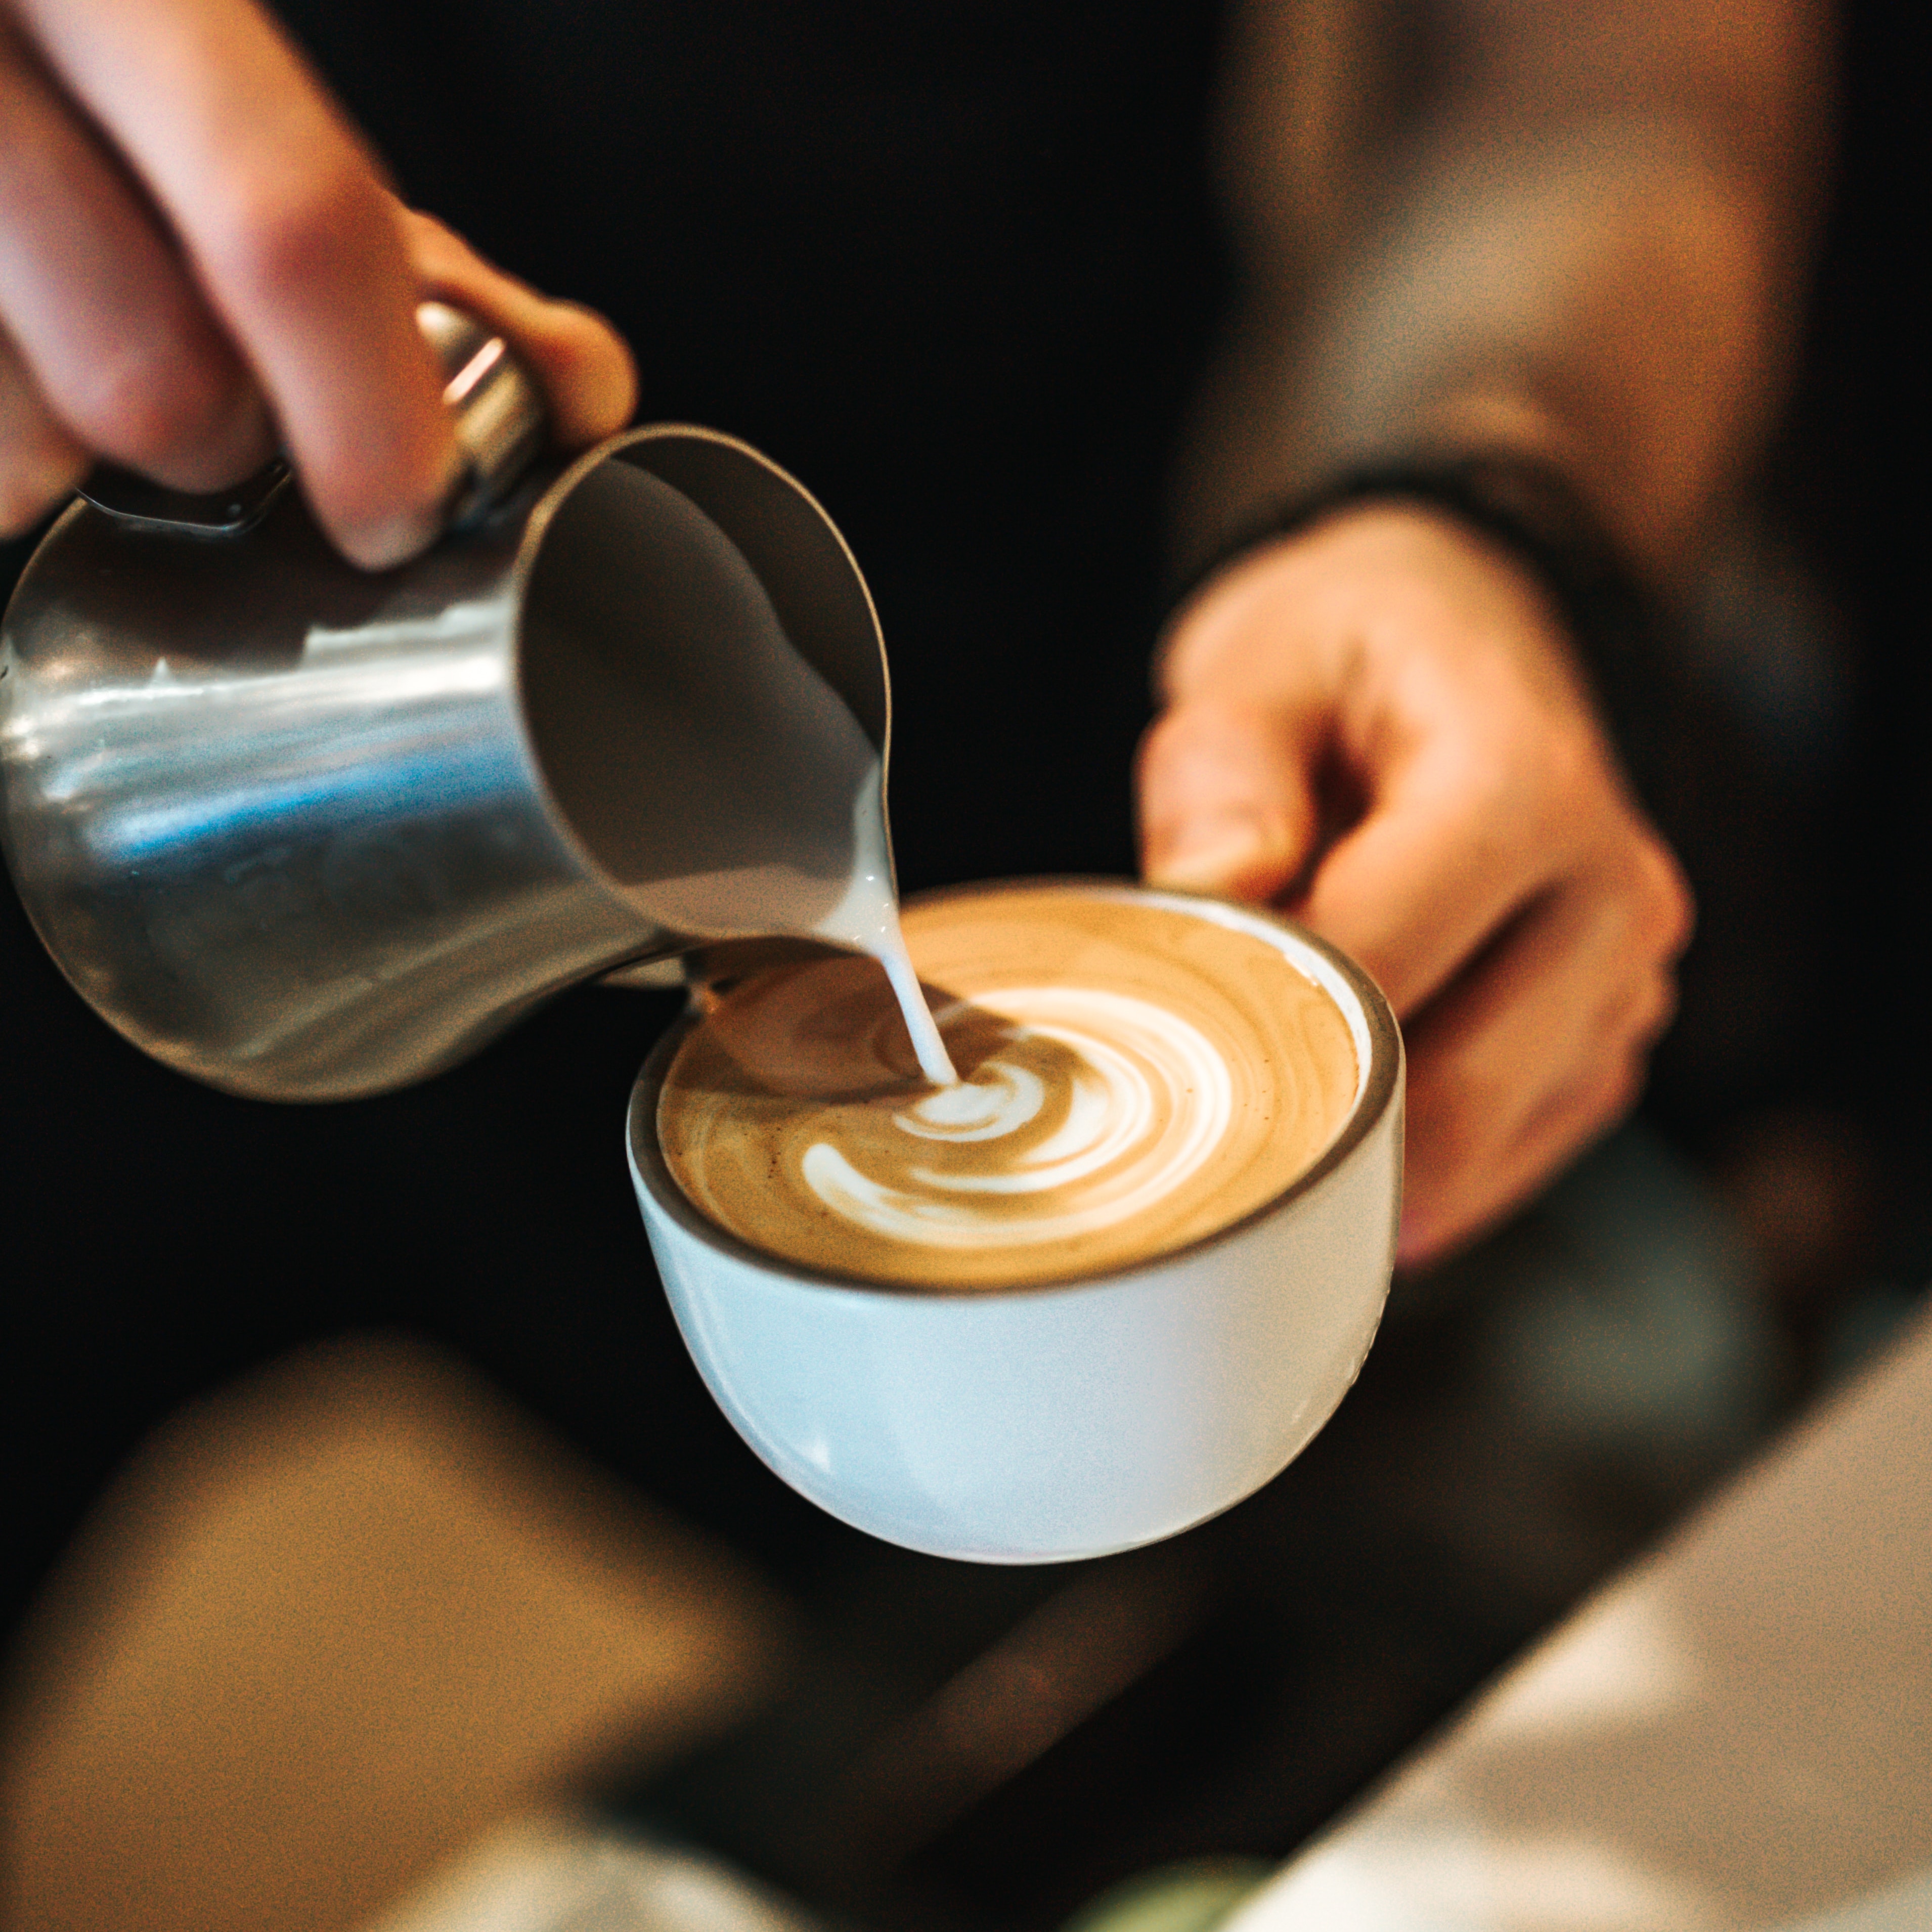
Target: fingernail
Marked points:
1208	855
383	545
388	544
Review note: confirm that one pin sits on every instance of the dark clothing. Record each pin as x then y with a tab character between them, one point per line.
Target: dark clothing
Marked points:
951	265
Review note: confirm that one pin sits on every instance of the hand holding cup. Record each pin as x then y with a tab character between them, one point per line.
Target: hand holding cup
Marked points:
1376	725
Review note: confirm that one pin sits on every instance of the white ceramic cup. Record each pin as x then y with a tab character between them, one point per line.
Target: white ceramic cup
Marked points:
1036	1424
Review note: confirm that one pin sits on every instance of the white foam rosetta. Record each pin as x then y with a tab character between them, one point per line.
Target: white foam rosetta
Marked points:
1150	1100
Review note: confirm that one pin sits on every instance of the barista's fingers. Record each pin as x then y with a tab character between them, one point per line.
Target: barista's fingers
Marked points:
1227	798
1458	838
40	461
1539	1047
122	348
1438	1223
578	359
292	235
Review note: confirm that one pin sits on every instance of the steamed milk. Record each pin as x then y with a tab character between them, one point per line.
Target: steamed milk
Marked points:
867	919
1132	1078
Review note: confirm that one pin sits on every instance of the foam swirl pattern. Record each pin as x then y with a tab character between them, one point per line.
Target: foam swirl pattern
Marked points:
1133	1077
1139	1104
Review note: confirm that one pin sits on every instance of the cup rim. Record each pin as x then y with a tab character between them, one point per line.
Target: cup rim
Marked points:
1380	1083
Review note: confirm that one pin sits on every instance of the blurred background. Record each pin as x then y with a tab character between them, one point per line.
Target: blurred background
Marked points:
886	1740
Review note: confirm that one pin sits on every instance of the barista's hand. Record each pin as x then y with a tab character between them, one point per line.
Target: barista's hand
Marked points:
1376	724
200	261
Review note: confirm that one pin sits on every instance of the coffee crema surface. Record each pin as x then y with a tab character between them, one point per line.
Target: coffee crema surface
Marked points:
1132	1078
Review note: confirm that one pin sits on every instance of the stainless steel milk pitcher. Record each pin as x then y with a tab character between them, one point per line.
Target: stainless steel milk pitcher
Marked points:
307	833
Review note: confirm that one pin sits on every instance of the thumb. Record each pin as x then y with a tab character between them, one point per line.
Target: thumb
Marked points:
1227	801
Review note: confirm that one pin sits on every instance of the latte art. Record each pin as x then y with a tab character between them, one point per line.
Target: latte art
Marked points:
1094	1109
1133	1077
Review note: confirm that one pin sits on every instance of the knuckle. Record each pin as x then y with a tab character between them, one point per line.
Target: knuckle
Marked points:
152	403
1657	1011
435	249
1527	776
1666	912
1628	1027
282	236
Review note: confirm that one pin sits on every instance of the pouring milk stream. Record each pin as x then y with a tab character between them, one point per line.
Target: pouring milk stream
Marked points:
790	840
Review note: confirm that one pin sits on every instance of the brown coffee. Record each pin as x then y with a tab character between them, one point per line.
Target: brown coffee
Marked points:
1133	1078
